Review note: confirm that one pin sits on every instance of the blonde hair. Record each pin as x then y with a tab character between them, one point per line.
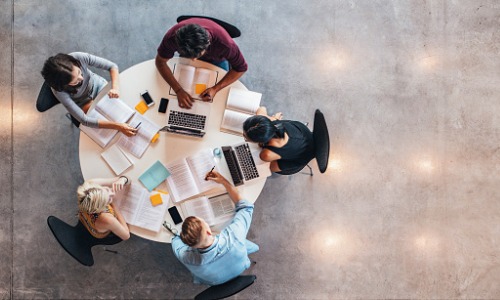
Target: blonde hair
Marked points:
92	198
191	231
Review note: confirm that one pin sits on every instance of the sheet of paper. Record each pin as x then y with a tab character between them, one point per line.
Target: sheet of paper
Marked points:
242	100
154	176
114	109
232	121
116	159
199	207
138	144
129	202
200	164
101	136
181	183
151	217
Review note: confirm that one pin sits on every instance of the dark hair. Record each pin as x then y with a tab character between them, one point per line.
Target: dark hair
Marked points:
191	39
260	129
58	72
191	231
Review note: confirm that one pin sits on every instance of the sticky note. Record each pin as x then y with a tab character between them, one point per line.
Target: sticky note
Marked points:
199	88
156	199
155	137
141	107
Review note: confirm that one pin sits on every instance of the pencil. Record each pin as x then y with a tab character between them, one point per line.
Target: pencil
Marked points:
206	177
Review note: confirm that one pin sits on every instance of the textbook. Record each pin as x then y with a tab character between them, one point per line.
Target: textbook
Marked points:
107	109
136	207
194	80
214	210
138	143
116	159
241	105
187	175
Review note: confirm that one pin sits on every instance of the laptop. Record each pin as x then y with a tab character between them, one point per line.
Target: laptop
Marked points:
242	164
192	122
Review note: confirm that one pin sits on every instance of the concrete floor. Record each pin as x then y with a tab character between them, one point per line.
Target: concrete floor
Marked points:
408	209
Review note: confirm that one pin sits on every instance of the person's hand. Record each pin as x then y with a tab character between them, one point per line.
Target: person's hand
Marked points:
185	100
215	176
208	94
278	116
114	93
127	129
118	184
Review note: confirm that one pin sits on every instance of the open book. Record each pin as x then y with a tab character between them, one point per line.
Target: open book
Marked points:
116	159
194	80
213	210
187	175
138	143
240	106
136	208
107	109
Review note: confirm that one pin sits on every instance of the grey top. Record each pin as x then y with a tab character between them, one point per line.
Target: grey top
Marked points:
72	102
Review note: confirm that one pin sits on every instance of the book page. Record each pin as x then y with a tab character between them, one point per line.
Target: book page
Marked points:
138	144
199	207
204	76
200	164
116	159
233	121
129	202
181	183
101	136
150	217
222	208
243	101
185	77
114	109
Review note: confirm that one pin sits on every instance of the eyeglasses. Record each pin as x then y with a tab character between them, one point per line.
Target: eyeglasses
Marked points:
170	228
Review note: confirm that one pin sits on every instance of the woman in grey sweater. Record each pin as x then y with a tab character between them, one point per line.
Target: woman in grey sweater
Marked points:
76	86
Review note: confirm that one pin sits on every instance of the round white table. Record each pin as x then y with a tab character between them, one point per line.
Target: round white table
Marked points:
169	147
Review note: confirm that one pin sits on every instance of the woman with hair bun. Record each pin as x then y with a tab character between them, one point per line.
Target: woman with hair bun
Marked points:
287	144
96	210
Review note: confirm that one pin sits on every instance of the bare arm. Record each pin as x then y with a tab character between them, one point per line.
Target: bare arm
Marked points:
114	92
230	77
185	100
118	226
117	183
122	127
232	191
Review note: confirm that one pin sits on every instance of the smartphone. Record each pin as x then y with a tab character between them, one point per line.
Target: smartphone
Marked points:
174	213
147	98
163	105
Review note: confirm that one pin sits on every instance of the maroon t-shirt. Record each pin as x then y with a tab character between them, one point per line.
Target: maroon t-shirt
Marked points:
222	47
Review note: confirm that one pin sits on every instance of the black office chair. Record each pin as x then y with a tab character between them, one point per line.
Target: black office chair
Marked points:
227	289
77	241
46	100
232	30
321	142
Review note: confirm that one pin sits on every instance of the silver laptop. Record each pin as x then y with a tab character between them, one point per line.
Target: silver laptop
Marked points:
242	164
191	122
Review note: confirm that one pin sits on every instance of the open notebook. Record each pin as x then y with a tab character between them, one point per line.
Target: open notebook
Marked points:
214	210
194	80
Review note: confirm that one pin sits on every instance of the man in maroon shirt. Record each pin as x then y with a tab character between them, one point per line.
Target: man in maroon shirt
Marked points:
203	39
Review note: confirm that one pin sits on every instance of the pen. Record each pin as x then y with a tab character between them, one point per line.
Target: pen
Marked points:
138	125
206	177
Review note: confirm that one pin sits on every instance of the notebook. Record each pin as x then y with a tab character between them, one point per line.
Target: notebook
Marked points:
191	121
214	210
242	164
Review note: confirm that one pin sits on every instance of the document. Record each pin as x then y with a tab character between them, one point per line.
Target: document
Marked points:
111	110
194	80
187	177
116	159
154	176
136	207
138	143
240	106
214	210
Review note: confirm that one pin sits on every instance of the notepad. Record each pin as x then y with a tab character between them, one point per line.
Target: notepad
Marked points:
154	176
116	159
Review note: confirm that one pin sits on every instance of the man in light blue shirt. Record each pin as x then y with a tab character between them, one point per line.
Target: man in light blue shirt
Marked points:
215	259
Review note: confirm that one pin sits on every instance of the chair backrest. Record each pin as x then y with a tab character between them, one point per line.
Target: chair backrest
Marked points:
227	289
46	98
232	30
321	141
77	241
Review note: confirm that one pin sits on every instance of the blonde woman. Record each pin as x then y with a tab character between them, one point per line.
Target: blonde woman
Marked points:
96	210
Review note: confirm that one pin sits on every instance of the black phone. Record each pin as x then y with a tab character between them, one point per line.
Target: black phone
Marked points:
174	213
163	105
147	98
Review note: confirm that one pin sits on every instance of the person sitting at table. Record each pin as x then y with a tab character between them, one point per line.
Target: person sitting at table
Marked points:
215	259
76	86
200	38
96	210
287	144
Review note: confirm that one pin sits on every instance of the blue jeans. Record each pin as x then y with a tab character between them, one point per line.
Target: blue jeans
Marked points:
251	247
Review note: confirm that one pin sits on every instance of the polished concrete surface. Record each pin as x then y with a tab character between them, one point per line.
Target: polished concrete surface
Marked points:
409	207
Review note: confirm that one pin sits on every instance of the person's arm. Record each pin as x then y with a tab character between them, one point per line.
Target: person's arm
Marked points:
268	155
233	192
118	226
185	100
179	248
104	64
231	76
122	127
114	74
117	183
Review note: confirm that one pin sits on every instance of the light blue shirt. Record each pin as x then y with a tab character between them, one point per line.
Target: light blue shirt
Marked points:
226	258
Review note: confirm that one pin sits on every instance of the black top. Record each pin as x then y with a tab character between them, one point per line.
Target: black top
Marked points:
300	145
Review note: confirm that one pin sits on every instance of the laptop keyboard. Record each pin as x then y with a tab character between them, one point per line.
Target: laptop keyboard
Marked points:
184	119
247	164
232	164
